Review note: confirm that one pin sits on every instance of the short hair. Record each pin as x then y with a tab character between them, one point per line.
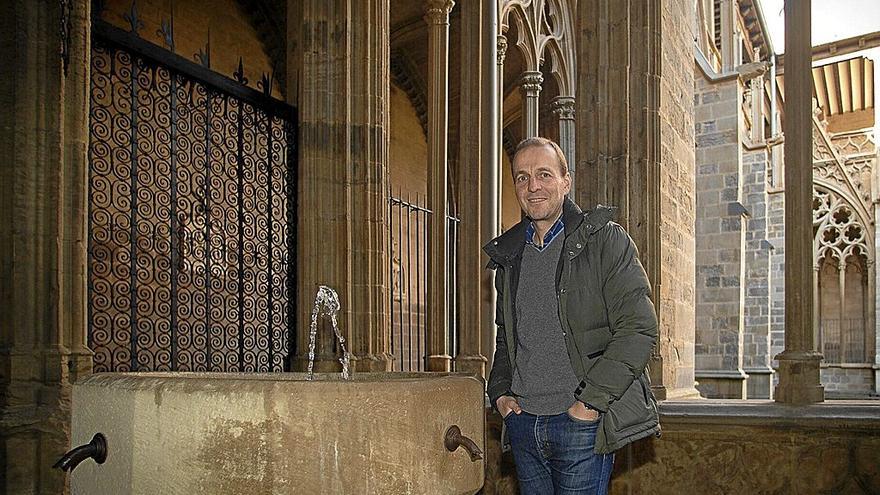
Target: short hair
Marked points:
537	142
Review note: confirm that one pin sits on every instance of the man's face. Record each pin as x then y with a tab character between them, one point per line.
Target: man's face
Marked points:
541	184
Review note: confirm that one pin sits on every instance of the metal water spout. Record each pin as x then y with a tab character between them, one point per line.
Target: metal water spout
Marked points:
327	304
96	449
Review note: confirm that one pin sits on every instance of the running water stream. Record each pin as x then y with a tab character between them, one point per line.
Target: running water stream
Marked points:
327	304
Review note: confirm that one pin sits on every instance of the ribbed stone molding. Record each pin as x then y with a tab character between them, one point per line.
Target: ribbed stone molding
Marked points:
437	18
470	357
501	47
343	179
799	362
756	86
490	171
530	86
44	136
621	122
437	12
563	109
728	14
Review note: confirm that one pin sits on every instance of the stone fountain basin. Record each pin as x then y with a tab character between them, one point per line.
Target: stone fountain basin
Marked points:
230	433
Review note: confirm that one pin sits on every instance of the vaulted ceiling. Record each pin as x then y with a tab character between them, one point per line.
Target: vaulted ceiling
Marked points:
408	34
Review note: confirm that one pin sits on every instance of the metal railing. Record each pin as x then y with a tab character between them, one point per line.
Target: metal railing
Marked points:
408	250
192	183
843	341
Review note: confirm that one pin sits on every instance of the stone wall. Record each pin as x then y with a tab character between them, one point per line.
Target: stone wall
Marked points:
755	447
776	236
847	380
724	446
756	308
721	227
407	150
677	198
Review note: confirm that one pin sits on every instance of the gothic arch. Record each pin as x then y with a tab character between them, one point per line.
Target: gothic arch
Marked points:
841	231
543	26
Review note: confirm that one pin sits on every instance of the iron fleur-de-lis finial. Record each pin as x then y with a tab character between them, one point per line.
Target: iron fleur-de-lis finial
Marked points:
134	22
265	84
204	56
239	74
166	32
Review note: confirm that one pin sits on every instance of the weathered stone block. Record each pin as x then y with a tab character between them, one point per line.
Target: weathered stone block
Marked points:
708	169
732	281
729	194
731	224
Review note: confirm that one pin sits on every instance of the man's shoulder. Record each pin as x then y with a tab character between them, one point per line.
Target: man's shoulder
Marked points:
598	219
506	245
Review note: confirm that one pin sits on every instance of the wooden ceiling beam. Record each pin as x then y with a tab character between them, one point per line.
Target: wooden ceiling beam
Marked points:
836	48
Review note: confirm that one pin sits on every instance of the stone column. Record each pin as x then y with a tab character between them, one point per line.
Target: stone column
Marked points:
756	86
799	362
470	358
343	158
722	223
872	274
43	238
624	119
728	38
501	54
491	172
563	108
530	85
437	17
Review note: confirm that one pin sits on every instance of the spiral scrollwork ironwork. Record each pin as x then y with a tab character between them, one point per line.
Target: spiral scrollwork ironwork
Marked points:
190	222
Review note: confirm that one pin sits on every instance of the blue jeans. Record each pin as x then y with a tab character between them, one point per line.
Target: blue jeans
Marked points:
554	455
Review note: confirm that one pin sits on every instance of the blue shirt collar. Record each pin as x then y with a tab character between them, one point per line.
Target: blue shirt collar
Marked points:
551	234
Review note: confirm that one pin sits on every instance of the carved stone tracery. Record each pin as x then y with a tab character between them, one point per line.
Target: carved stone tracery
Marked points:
563	108
839	232
531	83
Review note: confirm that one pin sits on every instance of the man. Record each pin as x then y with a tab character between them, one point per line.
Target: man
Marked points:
576	326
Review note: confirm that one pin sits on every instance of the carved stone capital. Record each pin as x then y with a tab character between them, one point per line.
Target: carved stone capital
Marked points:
563	107
502	48
437	11
530	83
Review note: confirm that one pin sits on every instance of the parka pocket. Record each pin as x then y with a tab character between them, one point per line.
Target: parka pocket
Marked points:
592	343
636	409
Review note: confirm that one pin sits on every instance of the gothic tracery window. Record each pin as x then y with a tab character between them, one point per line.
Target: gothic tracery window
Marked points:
842	261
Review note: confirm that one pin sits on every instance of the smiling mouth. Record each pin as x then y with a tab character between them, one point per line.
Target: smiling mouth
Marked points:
536	200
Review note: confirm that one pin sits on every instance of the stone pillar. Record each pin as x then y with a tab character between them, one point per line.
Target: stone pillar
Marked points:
43	235
722	227
728	37
530	86
756	86
563	108
799	362
872	274
501	54
437	17
625	121
470	358
757	282
491	172
343	158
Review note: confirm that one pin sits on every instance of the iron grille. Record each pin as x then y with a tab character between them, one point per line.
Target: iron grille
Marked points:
408	247
191	215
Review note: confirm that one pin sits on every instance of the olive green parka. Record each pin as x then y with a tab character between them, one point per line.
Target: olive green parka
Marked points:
607	318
